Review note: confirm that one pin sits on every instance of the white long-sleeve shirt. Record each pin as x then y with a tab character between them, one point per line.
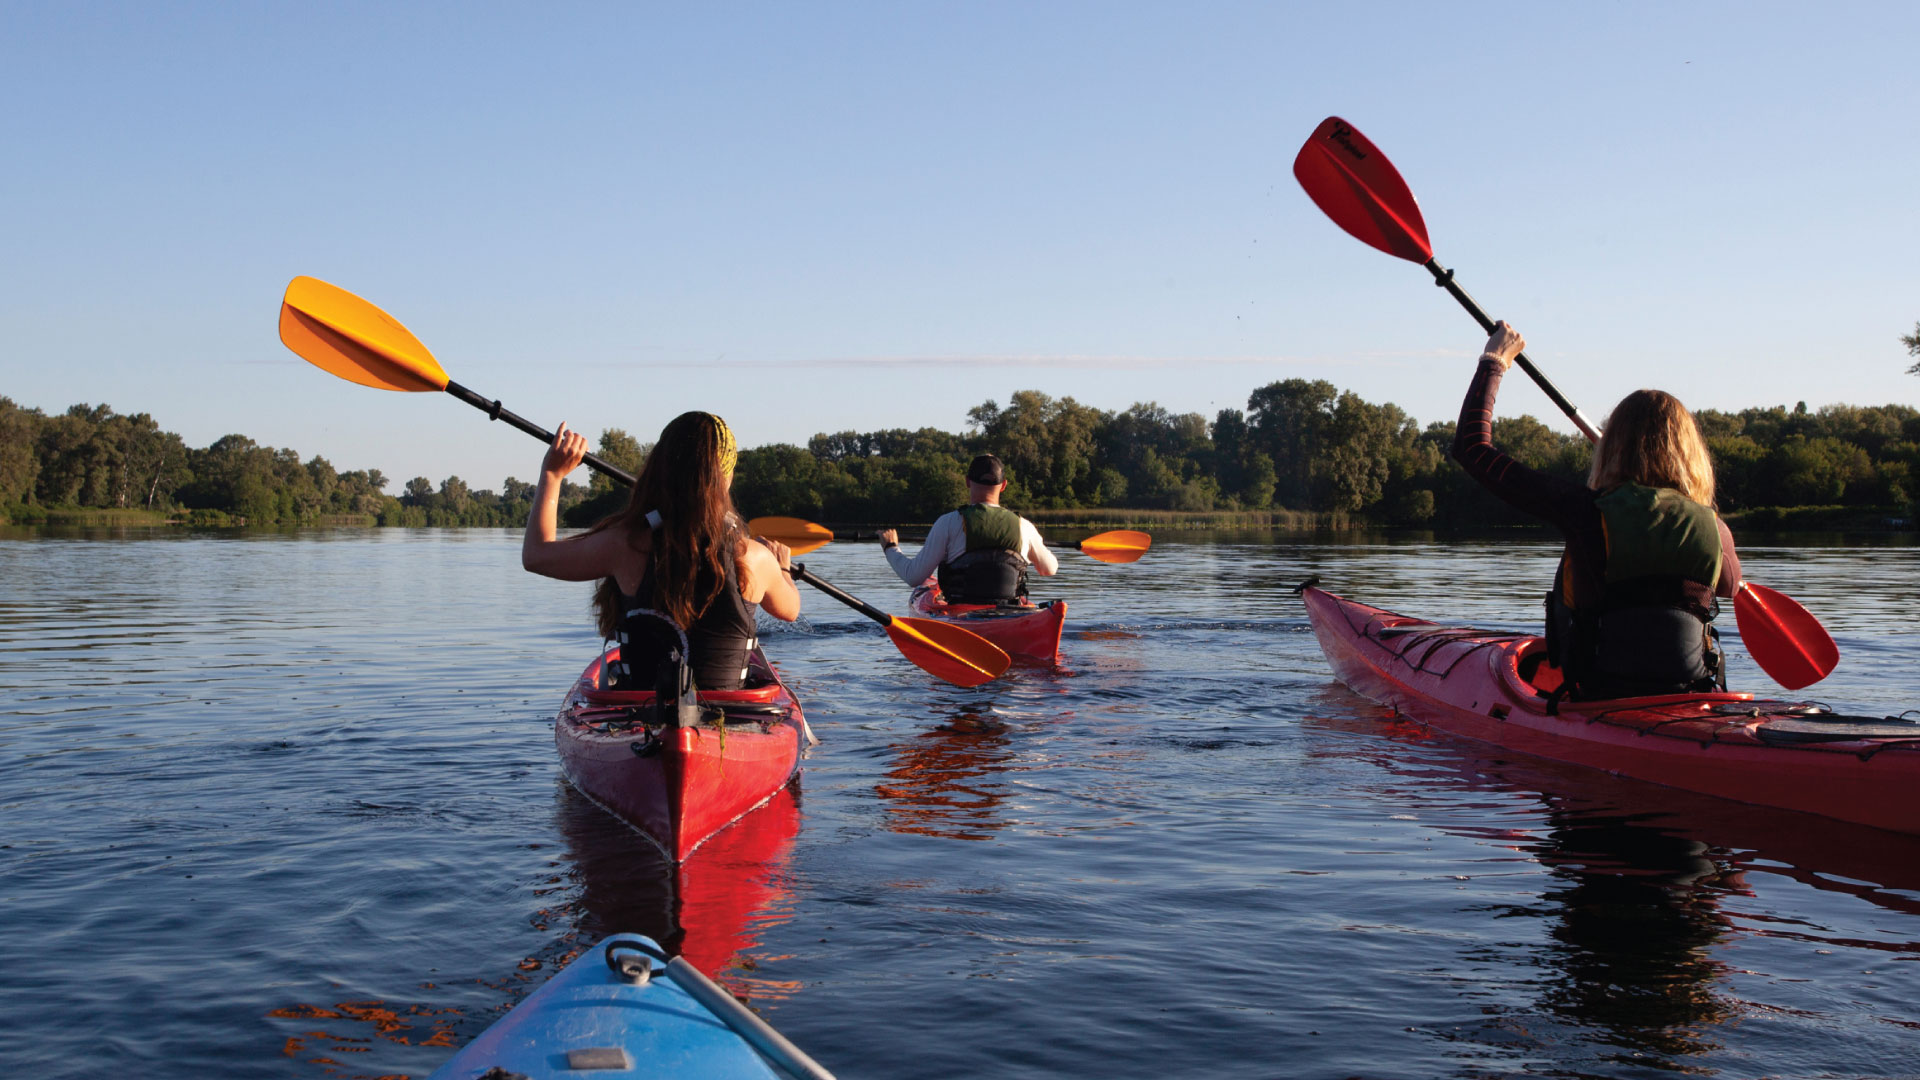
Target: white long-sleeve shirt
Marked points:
947	540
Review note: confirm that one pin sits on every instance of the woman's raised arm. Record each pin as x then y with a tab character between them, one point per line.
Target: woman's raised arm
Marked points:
577	558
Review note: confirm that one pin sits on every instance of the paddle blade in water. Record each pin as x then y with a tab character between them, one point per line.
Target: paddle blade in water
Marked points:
1355	185
1785	639
959	656
799	534
1118	546
336	330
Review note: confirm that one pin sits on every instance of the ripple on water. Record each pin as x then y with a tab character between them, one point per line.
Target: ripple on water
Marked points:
287	805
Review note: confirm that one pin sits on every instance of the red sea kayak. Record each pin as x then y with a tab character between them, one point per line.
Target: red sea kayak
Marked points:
1794	755
1029	632
680	785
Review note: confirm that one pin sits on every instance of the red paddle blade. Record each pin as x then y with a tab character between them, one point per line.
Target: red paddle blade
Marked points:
1785	639
959	656
1355	185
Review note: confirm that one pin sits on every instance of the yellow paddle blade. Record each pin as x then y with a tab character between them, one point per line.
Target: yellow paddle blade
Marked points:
959	656
336	330
798	534
1118	546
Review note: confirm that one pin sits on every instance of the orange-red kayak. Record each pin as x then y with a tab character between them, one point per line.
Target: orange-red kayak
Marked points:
1795	755
680	785
1028	632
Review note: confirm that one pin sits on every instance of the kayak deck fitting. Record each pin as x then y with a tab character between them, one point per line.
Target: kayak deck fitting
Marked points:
679	785
1794	755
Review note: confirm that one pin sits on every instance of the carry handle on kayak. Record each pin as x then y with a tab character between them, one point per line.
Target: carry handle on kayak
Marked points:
770	1044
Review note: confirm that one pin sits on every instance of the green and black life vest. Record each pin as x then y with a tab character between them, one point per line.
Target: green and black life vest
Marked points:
1651	631
992	570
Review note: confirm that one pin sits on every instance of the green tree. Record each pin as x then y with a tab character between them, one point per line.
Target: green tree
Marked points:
1288	421
1257	482
779	478
418	492
1351	470
455	497
19	462
1815	472
1047	445
1912	342
1738	464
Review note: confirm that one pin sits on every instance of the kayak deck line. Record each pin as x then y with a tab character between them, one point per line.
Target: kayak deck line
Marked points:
1798	755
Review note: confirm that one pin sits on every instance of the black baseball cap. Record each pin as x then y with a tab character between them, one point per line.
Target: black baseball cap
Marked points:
986	469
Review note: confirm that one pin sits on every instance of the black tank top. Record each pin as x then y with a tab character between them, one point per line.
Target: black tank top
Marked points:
721	639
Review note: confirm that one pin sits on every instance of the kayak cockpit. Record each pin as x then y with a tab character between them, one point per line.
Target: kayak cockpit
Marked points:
1528	674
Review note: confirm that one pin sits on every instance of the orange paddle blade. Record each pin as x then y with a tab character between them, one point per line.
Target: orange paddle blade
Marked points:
959	656
336	330
1118	546
1785	639
798	534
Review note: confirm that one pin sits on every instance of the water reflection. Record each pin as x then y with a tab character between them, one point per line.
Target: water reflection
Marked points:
1634	916
713	909
944	781
1647	881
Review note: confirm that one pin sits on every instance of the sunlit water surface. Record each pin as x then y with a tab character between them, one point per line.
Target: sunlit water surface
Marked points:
286	805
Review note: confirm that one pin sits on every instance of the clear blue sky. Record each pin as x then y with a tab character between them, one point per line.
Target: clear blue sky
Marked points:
815	217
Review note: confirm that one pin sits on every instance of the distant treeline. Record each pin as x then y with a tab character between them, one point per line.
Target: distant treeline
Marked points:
1304	445
1300	446
92	458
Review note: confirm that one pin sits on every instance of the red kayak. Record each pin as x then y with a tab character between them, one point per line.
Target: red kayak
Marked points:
1027	632
1794	755
680	785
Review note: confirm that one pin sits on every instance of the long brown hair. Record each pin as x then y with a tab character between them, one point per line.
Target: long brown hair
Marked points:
1652	439
686	479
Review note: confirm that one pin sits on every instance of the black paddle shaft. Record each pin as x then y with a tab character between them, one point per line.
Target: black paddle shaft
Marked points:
495	412
1443	277
800	573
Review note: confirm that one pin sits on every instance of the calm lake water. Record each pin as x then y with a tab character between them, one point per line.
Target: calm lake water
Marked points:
287	805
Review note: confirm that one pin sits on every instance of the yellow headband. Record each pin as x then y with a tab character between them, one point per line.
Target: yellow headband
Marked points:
729	450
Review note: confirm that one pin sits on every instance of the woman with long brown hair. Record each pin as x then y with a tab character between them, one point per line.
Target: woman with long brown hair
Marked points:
1646	556
676	565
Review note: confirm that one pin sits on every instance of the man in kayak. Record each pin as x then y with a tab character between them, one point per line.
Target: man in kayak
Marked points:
980	553
1646	557
675	567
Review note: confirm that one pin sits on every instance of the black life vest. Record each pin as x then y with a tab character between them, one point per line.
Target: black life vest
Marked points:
1651	632
992	570
656	653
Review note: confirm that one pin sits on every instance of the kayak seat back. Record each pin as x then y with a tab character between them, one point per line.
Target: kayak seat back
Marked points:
761	686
